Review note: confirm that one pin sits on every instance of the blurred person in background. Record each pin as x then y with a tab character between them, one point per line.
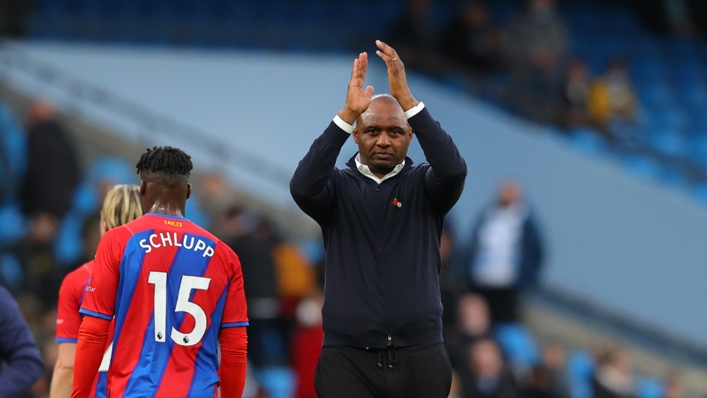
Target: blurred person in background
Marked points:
416	38
17	349
487	376
121	205
537	51
216	198
472	40
473	324
244	233
674	386
381	219
449	284
613	377
505	254
579	81
612	97
46	194
52	165
306	344
296	278
539	384
553	364
35	253
13	15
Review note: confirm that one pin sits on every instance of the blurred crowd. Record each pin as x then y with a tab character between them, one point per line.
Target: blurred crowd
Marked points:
527	65
483	281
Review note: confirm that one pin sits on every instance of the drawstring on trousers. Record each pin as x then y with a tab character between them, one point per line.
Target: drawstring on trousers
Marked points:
392	357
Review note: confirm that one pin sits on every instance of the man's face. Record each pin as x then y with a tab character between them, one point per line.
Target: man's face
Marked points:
383	136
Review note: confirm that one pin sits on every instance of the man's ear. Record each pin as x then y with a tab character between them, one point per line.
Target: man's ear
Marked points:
355	135
143	187
188	191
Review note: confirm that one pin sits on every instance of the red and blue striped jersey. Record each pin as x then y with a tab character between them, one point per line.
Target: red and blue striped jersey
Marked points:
68	319
171	287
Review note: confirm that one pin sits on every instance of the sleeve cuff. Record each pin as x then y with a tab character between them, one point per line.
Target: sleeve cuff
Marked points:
234	325
414	110
343	124
66	340
96	314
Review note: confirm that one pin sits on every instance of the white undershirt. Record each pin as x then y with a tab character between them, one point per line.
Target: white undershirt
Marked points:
497	259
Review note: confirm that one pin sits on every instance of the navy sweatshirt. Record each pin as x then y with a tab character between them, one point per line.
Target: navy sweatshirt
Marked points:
382	259
17	349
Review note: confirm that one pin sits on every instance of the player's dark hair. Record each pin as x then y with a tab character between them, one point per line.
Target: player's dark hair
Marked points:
165	162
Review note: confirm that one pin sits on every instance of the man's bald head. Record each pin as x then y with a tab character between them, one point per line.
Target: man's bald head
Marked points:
381	103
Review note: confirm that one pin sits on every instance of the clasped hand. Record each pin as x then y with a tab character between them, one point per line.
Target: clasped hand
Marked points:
358	97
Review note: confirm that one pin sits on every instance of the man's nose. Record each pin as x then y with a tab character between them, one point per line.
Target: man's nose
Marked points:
383	140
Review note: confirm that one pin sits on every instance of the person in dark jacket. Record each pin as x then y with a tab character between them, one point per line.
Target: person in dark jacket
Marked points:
52	165
18	349
381	219
505	254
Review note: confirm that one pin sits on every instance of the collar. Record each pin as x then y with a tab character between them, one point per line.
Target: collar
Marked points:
366	171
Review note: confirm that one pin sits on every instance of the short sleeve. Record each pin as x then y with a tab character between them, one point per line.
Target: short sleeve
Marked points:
99	299
68	319
235	312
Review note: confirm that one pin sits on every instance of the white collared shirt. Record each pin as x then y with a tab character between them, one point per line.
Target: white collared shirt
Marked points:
366	171
362	168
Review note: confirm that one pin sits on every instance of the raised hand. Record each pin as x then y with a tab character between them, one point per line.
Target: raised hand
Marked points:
396	76
358	98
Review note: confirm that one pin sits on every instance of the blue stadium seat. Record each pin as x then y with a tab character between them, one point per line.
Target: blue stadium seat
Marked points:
693	96
698	149
641	167
93	9
624	22
13	224
583	19
15	141
11	274
648	71
316	11
518	344
650	388
68	247
655	95
85	199
671	143
114	169
588	140
700	194
196	214
673	178
580	366
278	382
668	118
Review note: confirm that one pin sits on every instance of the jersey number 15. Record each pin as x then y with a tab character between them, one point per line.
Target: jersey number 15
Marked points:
159	279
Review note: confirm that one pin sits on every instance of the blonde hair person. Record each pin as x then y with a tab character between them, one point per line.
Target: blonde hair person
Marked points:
121	205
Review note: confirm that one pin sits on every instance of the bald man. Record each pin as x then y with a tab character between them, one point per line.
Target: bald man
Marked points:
382	220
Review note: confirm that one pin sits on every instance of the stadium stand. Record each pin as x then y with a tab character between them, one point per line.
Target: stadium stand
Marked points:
667	143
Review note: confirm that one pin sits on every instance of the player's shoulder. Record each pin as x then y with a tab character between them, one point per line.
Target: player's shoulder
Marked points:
121	233
79	275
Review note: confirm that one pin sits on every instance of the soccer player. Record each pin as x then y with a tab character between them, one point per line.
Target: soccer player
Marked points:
175	291
121	205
